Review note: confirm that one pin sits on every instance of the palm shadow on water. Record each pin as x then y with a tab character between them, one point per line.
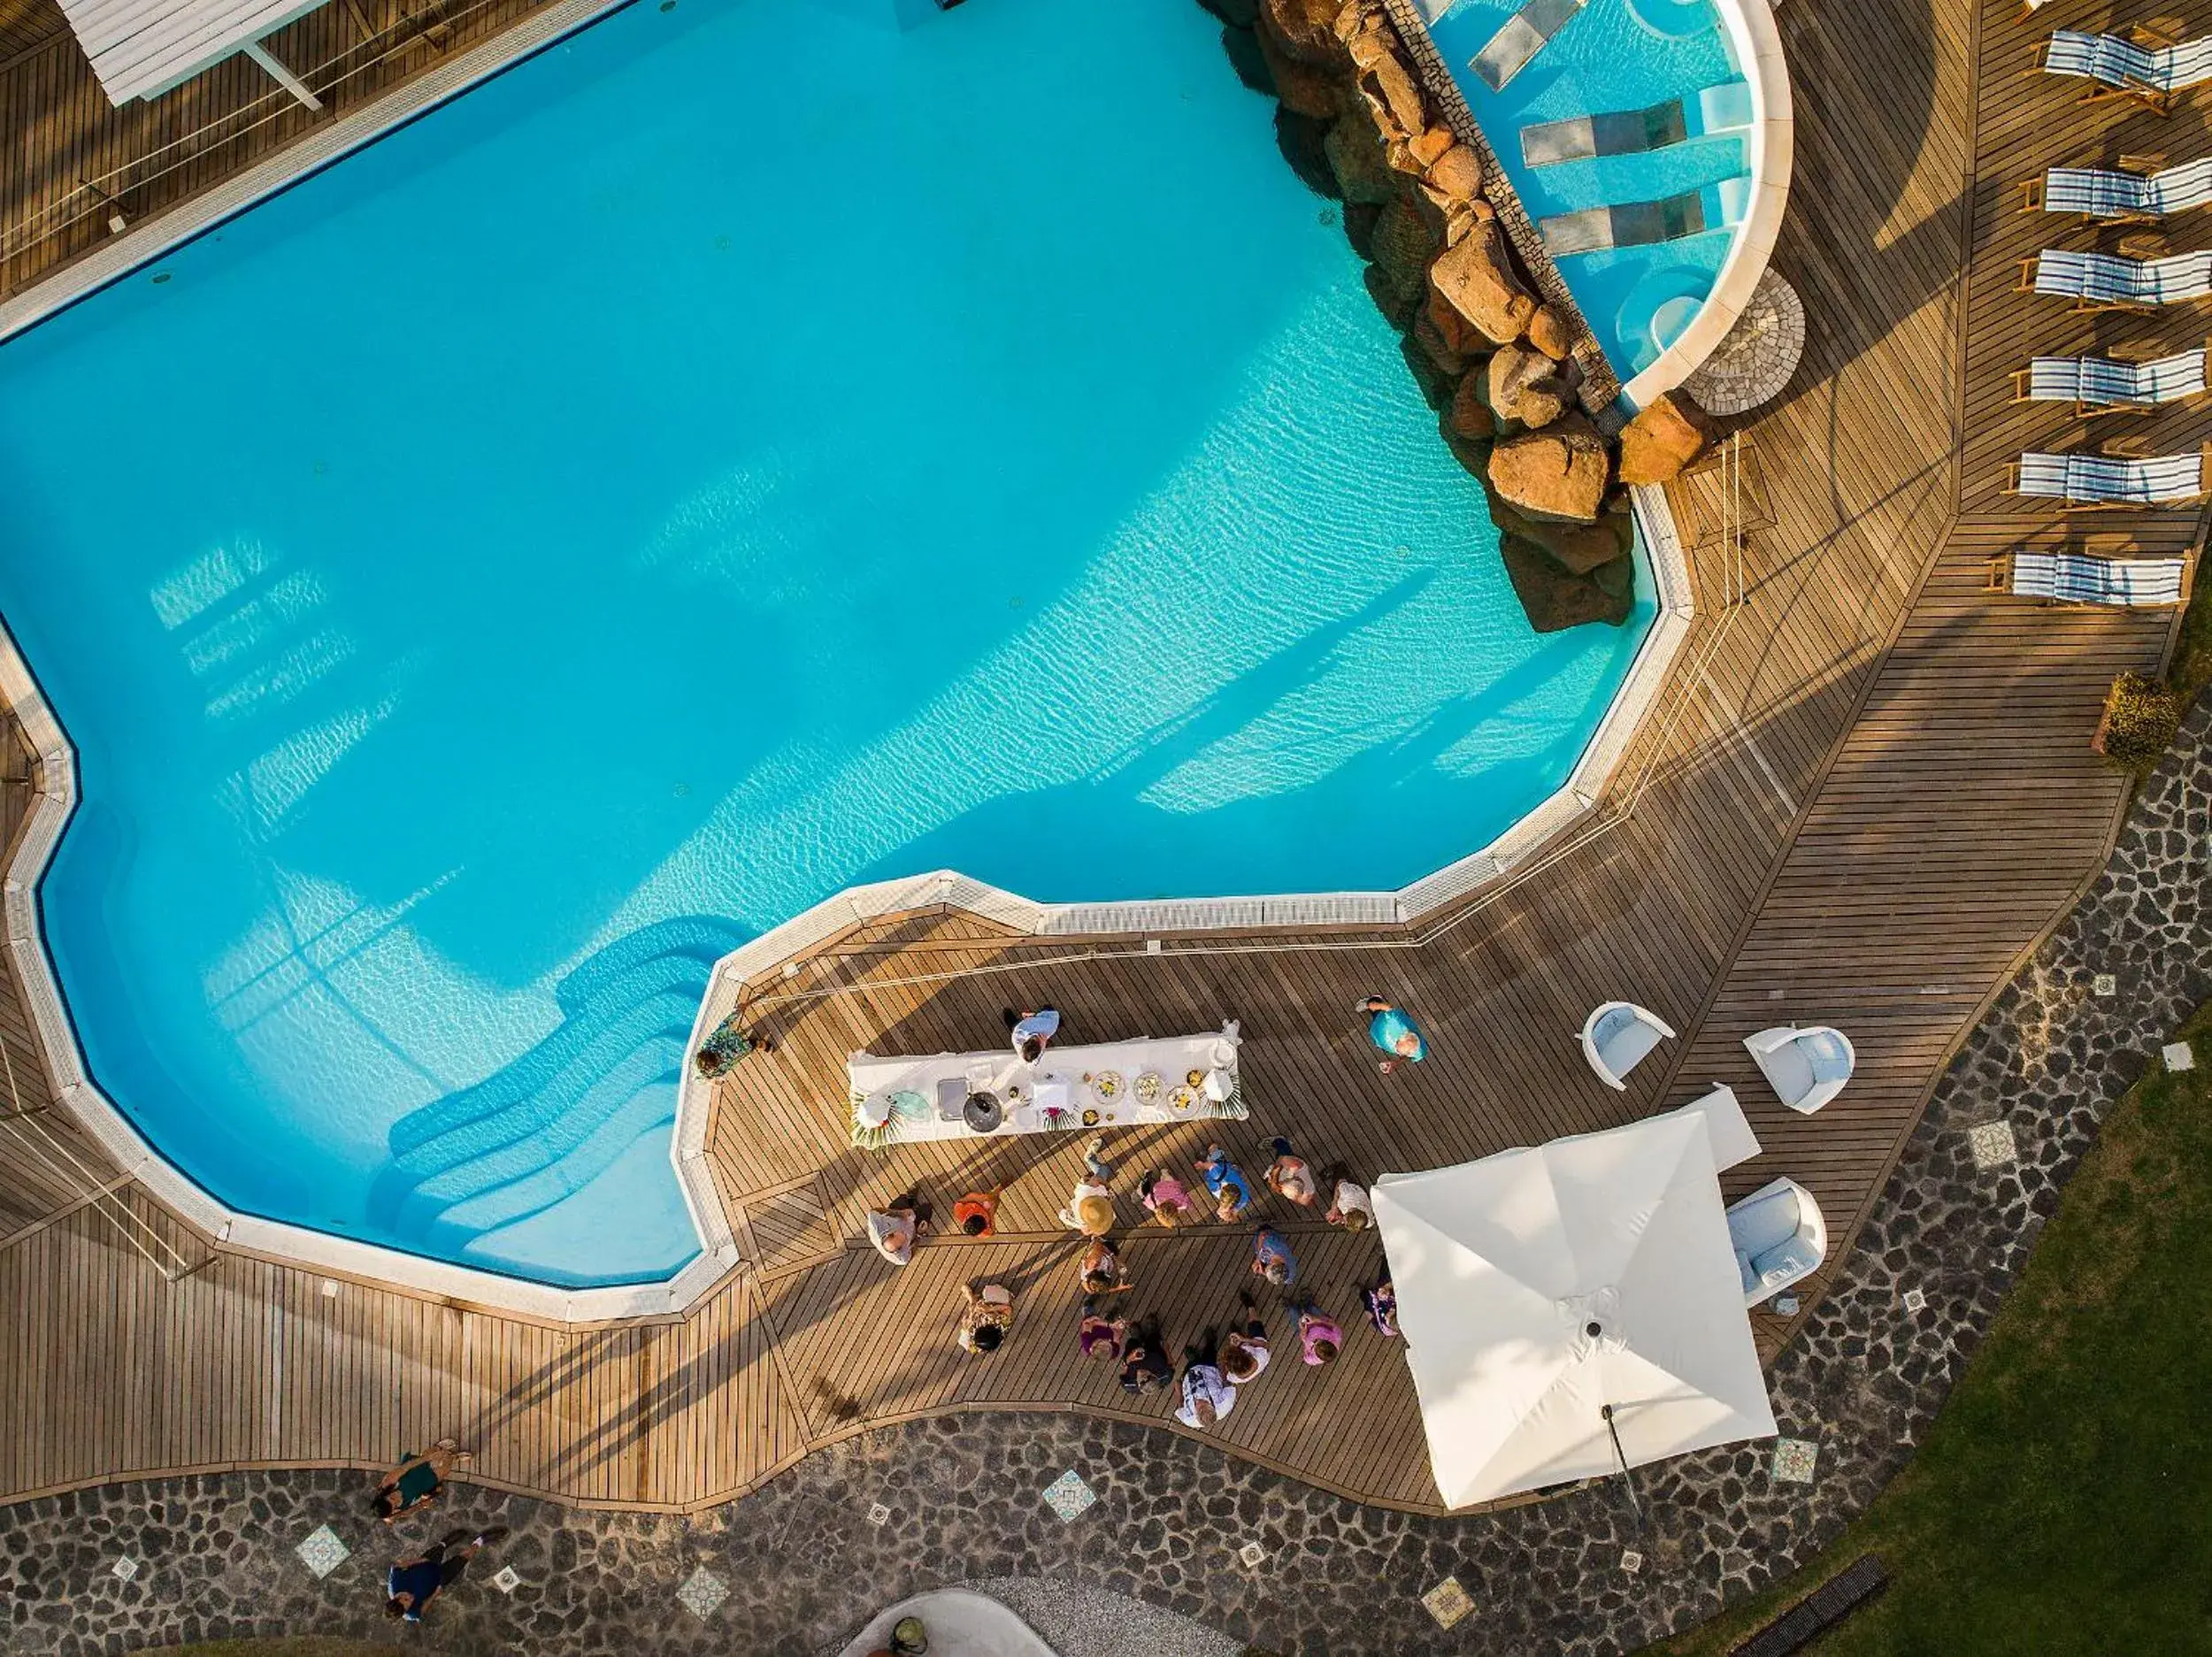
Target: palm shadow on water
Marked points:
543	1126
1022	839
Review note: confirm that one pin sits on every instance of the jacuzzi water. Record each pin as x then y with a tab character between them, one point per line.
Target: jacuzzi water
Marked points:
1613	56
746	450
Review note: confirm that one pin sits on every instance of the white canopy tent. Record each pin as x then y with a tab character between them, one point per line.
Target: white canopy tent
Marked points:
1535	1287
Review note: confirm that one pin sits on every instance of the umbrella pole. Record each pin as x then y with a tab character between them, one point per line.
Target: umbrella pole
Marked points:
1627	1478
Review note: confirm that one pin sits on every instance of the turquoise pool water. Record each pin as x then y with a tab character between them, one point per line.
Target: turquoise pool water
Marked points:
746	450
1616	56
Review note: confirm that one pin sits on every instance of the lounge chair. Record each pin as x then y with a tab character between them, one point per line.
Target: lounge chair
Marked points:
1719	110
2111	196
2110	479
2104	282
2076	578
1779	1237
2151	69
1520	38
2097	385
1646	224
1618	1037
1807	1067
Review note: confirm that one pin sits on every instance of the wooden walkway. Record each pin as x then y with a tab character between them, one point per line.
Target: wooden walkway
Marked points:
1866	793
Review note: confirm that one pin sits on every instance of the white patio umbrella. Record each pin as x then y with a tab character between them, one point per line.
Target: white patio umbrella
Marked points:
1537	1288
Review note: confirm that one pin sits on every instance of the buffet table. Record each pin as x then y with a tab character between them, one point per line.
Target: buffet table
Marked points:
1112	1085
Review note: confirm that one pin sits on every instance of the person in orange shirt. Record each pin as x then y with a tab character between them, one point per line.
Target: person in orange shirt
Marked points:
976	1215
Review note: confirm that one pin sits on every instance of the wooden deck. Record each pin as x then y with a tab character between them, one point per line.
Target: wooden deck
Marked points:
1865	794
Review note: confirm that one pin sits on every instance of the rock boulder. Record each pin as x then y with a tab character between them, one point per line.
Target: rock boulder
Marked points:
1475	297
1305	29
1548	333
1391	88
1356	155
1245	58
1525	386
1402	248
1663	439
1578	548
1303	90
1470	415
1556	599
1303	139
1557	473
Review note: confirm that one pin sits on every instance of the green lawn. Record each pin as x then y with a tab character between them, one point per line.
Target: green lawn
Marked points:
2061	1502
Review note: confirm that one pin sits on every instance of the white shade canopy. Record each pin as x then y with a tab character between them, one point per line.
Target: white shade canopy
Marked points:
1504	1266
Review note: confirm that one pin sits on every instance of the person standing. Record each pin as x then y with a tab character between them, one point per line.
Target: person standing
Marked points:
1144	1365
413	1584
1208	1398
1103	1272
1031	1033
1164	1199
418	1481
1319	1335
1397	1035
986	1314
1097	1335
976	1215
1245	1354
1350	1205
1271	1257
1382	1307
1290	1177
894	1230
1225	1183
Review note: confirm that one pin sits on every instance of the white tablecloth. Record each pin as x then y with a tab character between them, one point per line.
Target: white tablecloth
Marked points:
1069	1088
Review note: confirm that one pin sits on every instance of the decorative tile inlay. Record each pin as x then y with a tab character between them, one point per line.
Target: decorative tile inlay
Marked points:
1632	1561
1992	1145
1915	1300
1069	1496
2178	1057
2105	984
1793	1460
507	1582
878	1514
1253	1554
1447	1602
323	1552
126	1568
702	1593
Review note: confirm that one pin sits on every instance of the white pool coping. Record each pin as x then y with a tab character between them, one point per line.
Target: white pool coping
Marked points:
56	797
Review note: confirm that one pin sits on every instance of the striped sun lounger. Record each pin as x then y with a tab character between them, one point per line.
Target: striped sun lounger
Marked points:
1723	109
2103	193
2106	279
1523	34
2110	479
2097	385
1646	224
2113	61
2074	578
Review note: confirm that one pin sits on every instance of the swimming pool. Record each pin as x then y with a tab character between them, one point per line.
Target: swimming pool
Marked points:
1640	208
496	578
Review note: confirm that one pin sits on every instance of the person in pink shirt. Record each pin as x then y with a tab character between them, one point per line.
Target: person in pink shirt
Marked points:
1165	1198
1320	1338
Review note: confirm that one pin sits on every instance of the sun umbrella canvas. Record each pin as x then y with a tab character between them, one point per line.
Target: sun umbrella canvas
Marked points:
1538	1287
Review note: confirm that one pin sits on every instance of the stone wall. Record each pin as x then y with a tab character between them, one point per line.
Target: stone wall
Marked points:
1499	352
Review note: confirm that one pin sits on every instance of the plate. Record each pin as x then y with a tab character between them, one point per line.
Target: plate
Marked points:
1148	1087
1106	1086
1183	1098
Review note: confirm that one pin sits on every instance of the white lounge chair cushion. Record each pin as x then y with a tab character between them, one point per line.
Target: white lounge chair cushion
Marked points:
1824	1051
1791	1071
1784	1261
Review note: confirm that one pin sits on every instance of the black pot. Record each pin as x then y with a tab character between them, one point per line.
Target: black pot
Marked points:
983	1112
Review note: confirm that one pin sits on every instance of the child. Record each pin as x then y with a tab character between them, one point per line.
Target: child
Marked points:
1382	1308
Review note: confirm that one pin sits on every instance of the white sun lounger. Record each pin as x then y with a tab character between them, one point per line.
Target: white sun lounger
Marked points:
2104	193
1522	36
2097	385
2075	578
2152	72
2102	279
2110	479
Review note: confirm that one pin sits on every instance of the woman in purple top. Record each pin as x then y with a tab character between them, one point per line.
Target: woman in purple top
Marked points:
1097	1335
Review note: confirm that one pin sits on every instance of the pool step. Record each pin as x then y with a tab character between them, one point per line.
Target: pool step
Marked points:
1646	224
1718	110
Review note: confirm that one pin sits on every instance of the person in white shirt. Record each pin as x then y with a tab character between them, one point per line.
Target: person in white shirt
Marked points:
1244	1355
1031	1033
1350	1205
1208	1398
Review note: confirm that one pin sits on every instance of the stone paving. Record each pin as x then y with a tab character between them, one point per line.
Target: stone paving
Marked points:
800	1565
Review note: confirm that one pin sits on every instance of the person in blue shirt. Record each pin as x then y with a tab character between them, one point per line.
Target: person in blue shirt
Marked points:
1226	1182
1397	1035
413	1584
1271	1257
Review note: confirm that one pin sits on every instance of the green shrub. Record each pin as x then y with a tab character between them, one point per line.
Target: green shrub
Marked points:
2141	716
